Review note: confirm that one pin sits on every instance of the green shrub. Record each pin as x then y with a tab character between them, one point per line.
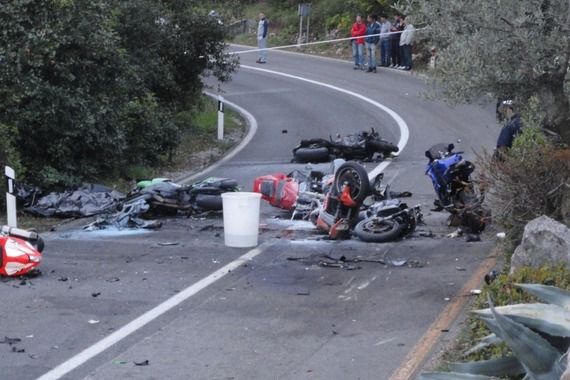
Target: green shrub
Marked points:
530	180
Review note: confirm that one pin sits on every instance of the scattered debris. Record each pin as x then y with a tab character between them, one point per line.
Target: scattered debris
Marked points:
304	292
88	200
460	269
92	321
95	295
18	350
455	234
470	238
168	243
143	363
119	362
475	292
113	279
10	341
490	277
63	279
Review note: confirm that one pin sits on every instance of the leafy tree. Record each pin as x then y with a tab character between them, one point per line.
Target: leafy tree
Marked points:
92	85
507	48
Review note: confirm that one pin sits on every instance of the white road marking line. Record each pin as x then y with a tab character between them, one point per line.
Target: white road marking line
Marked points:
94	350
404	130
247	139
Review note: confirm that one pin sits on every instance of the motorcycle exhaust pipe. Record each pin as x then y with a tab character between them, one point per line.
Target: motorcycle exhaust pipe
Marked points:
17	232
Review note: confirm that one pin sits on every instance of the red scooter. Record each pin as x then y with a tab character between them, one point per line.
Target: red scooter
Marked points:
20	251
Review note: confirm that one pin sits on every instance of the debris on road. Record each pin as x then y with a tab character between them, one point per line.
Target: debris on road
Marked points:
93	321
490	277
95	295
471	238
168	243
475	292
143	363
455	234
88	200
10	341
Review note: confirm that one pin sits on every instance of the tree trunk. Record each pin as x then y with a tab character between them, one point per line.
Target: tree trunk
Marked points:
555	105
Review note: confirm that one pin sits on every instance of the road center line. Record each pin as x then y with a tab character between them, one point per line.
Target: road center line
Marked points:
102	345
404	131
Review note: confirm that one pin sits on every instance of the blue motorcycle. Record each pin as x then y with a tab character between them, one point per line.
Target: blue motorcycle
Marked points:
450	174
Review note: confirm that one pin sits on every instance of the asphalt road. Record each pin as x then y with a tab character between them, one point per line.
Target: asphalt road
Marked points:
269	317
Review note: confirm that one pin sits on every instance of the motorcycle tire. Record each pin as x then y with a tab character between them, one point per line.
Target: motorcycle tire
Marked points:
209	202
318	154
39	244
356	177
374	231
383	147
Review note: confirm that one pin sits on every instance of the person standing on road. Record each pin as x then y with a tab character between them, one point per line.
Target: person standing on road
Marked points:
511	128
372	38
262	38
385	46
406	44
396	28
358	31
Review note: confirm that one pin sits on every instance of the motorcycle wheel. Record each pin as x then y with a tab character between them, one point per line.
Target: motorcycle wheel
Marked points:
317	154
378	231
39	244
356	177
209	202
383	147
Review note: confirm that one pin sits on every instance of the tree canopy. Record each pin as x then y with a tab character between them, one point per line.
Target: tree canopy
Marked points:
91	86
516	49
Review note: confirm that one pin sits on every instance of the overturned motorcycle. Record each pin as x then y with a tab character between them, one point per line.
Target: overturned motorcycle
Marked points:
456	192
334	202
160	196
20	251
364	146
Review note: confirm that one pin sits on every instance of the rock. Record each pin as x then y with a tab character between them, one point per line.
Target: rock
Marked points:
545	241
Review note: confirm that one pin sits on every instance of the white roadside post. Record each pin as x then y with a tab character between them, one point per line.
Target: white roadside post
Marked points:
10	196
220	118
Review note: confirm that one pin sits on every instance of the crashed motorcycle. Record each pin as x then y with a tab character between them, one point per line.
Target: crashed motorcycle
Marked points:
388	220
363	146
450	174
344	195
20	251
166	197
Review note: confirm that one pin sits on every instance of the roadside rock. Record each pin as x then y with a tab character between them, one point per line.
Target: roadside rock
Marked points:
545	241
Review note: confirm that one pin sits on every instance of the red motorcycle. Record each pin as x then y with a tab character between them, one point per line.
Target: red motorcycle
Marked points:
20	251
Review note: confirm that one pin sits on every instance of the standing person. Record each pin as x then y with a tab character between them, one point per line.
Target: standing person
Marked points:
385	40
358	30
511	128
406	44
395	41
262	38
372	38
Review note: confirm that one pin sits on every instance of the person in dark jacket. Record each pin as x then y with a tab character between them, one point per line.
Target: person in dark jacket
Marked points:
395	41
372	38
511	128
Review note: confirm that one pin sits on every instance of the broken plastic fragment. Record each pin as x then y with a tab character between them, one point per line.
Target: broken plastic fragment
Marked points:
92	321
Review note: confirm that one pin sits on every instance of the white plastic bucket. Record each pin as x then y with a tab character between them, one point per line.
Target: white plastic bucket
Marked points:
241	219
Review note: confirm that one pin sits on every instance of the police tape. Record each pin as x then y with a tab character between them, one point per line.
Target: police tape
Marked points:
321	42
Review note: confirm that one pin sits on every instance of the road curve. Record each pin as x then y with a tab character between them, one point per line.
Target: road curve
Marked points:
272	318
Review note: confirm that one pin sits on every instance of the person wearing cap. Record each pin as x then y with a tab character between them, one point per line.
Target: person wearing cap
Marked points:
512	127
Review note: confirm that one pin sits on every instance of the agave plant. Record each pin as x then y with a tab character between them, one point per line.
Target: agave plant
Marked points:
537	334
